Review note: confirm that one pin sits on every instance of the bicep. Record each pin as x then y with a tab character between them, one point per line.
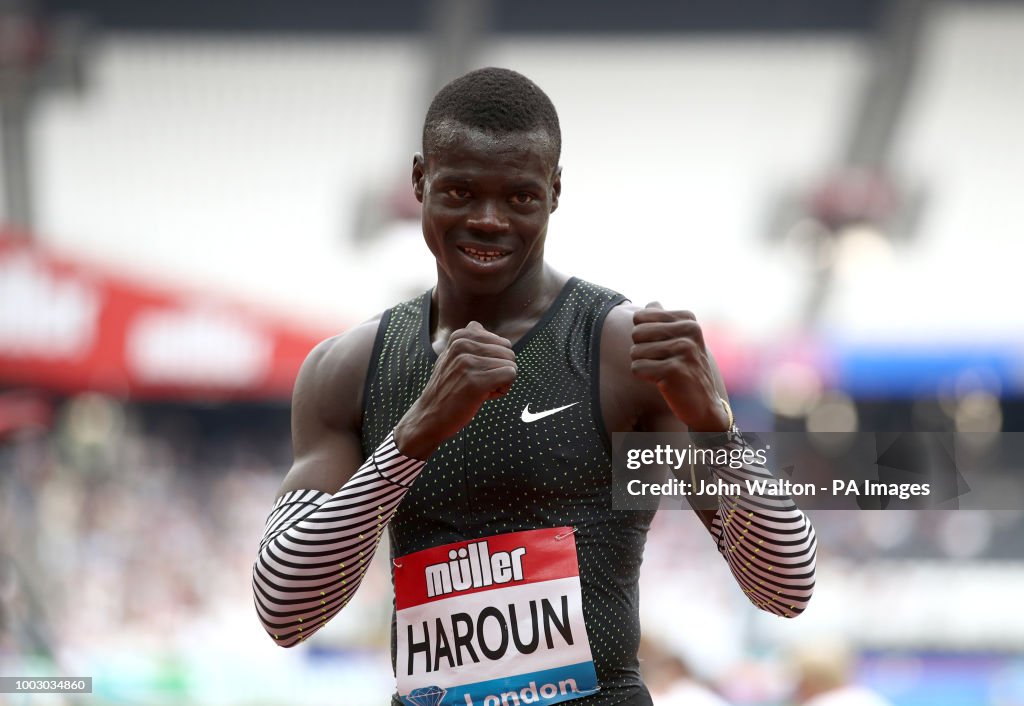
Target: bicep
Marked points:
326	413
324	465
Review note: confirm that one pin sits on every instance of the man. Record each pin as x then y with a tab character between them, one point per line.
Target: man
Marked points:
472	423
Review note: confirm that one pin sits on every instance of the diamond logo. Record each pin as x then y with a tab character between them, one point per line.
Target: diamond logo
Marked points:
425	696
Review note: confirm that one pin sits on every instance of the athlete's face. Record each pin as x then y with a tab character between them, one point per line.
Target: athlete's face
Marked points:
486	201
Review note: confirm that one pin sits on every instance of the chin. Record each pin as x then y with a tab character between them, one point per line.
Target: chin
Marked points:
487	286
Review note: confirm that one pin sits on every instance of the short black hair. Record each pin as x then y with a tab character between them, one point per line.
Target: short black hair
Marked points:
497	101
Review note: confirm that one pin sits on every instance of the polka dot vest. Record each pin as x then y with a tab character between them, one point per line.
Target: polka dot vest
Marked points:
502	474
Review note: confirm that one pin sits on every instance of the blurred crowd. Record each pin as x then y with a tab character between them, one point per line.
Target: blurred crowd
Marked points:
130	530
129	536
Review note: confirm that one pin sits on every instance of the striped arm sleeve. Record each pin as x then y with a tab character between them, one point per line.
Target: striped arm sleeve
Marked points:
316	546
767	541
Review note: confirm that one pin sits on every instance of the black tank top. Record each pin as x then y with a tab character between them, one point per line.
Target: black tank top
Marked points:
500	474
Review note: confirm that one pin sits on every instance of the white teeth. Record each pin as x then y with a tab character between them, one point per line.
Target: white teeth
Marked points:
482	255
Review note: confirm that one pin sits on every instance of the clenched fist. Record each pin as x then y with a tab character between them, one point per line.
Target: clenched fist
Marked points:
668	350
475	366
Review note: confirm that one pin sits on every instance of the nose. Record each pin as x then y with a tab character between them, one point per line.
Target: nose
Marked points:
488	217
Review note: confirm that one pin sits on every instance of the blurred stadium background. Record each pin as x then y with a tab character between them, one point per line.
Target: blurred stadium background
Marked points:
196	193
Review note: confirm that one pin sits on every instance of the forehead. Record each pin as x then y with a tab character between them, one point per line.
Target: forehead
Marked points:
458	148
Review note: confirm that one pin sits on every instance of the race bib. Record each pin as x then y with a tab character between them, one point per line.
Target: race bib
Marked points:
496	621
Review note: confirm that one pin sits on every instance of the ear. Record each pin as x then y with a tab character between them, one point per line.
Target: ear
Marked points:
419	171
556	188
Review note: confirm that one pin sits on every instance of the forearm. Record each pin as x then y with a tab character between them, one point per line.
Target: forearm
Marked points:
767	541
317	546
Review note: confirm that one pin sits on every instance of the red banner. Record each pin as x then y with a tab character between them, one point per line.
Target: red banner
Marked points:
69	327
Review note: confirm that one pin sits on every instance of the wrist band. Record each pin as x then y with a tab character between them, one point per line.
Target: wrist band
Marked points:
712	439
728	410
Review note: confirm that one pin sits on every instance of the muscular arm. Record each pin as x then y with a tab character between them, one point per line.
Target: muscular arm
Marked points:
768	543
332	506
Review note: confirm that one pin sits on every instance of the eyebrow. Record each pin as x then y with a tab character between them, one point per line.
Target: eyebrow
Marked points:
460	179
529	185
452	179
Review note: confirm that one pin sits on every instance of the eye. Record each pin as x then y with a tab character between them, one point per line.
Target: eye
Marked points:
523	198
458	193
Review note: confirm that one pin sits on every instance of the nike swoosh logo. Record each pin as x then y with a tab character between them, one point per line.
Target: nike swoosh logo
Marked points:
529	416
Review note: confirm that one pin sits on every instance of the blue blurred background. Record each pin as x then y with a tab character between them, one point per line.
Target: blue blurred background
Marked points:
195	193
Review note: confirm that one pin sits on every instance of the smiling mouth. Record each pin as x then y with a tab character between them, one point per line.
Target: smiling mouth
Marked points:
482	255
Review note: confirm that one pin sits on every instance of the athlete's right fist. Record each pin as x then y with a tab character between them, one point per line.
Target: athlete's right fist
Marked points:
475	366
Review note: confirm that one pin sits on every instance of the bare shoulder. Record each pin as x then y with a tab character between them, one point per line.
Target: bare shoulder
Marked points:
618	326
616	340
327	411
625	399
330	383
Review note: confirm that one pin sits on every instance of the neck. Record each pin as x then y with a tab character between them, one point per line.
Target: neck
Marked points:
508	313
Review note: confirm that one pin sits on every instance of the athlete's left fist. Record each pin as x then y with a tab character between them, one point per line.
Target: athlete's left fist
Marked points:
668	350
